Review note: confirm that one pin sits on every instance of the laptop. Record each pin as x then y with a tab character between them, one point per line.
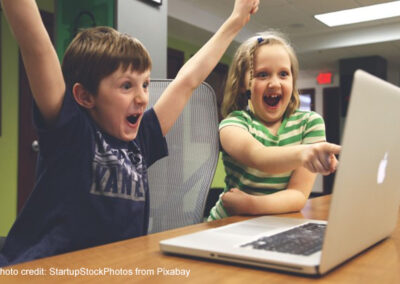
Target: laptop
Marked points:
364	205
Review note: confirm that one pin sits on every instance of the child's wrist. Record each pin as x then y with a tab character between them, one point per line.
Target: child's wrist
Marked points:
250	204
236	21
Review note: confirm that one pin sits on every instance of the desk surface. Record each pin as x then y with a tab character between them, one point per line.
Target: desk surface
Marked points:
380	264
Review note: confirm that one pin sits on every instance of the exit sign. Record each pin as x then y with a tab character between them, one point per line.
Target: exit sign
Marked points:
324	78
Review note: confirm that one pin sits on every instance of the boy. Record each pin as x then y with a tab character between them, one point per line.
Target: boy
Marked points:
96	140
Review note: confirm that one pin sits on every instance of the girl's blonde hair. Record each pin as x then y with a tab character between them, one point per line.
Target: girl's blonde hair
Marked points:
243	61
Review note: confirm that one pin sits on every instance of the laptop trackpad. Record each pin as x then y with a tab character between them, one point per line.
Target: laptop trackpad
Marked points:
260	225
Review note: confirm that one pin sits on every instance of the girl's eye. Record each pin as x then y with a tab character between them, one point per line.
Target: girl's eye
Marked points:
146	85
262	75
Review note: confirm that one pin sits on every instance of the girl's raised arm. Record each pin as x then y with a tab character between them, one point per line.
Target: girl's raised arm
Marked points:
196	70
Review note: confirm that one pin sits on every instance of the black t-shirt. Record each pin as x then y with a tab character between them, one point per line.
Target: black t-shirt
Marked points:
91	188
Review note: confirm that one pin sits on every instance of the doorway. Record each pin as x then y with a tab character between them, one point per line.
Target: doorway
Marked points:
27	137
332	123
175	60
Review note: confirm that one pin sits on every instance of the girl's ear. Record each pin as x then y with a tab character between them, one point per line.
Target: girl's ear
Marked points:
243	90
82	96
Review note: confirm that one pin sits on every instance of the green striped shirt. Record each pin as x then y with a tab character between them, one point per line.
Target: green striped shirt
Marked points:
302	127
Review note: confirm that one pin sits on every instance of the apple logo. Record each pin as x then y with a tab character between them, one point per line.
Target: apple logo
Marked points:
382	169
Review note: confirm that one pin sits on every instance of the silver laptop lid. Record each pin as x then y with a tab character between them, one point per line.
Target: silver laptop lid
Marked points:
366	195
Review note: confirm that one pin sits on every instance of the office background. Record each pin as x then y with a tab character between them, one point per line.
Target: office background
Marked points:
177	29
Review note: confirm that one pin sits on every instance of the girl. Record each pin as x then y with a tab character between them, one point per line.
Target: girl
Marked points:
271	150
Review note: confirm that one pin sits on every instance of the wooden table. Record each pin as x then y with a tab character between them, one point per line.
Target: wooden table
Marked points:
141	257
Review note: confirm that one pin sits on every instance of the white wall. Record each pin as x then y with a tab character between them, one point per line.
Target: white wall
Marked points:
148	23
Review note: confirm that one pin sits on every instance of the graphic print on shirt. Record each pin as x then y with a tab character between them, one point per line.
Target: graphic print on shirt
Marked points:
117	172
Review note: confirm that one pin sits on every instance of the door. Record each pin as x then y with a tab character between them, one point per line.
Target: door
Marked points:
27	138
175	59
332	123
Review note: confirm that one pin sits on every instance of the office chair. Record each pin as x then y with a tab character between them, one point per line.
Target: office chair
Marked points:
179	183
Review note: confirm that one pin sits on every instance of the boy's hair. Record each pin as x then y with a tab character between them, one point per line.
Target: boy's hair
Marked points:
97	52
243	61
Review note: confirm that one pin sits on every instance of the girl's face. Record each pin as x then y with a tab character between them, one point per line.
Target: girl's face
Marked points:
272	85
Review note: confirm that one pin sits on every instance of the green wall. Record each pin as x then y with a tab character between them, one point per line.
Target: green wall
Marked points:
47	5
9	121
218	181
69	14
189	49
9	129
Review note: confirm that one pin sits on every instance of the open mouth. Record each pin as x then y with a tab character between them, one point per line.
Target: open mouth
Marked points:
272	100
133	118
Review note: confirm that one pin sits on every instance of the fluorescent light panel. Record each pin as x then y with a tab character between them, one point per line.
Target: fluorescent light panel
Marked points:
358	15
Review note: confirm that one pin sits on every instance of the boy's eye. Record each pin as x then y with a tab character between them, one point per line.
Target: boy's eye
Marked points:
126	85
146	85
284	74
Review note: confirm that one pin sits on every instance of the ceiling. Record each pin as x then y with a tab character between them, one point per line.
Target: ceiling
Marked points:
318	47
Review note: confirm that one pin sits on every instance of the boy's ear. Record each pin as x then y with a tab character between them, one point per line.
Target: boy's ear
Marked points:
82	96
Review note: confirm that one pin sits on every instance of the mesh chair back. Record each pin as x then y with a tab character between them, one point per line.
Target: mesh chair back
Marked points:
179	183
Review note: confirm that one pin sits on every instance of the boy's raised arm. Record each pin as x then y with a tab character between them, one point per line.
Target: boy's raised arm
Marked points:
196	70
38	54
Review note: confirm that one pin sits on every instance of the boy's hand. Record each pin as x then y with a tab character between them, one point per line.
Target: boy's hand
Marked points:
320	157
244	8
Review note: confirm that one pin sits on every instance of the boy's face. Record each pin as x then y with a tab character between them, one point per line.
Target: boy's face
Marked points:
120	103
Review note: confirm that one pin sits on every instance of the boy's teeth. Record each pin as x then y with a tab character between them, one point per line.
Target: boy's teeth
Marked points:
132	118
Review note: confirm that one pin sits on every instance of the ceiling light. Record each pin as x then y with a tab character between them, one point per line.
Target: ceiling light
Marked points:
363	14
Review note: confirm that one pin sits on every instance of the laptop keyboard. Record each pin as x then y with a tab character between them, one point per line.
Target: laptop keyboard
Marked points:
303	240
